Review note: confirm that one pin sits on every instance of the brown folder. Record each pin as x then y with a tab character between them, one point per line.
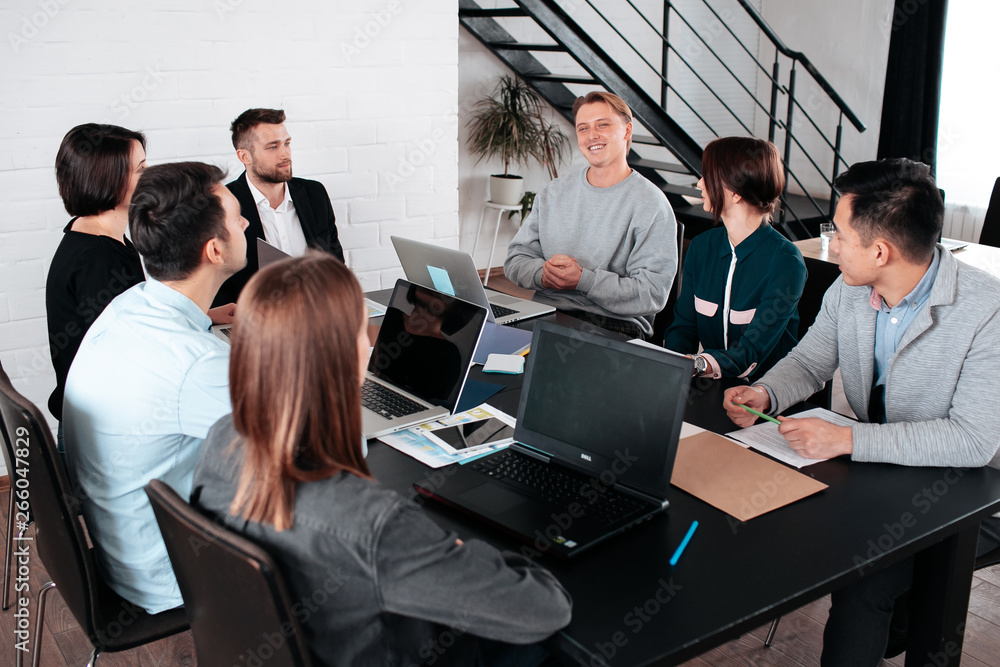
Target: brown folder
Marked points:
738	481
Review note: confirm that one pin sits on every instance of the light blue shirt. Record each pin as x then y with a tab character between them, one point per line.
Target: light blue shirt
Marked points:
147	383
891	323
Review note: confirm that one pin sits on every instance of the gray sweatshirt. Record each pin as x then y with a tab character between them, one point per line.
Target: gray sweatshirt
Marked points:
623	236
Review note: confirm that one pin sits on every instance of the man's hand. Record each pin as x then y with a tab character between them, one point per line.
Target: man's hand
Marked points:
815	438
222	314
752	397
561	272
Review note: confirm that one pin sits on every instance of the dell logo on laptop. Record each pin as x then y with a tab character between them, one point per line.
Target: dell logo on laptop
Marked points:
586	457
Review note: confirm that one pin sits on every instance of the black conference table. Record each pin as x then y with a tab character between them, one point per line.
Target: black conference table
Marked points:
631	608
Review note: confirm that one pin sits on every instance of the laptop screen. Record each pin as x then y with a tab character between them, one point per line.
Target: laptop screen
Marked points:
426	342
607	408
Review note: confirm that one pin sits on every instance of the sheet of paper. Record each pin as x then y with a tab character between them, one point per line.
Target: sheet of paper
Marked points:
375	309
737	481
764	437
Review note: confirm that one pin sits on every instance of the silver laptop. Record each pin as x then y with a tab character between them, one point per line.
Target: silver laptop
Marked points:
420	360
454	272
266	254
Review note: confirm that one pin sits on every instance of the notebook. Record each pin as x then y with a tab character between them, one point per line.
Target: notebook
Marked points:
266	254
454	272
596	437
421	358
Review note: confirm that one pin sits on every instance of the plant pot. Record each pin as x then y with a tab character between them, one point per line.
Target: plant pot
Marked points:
506	189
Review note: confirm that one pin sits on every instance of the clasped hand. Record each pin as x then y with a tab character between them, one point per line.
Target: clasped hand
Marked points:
811	437
561	272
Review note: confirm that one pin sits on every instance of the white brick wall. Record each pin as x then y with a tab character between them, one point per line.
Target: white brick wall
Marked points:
367	84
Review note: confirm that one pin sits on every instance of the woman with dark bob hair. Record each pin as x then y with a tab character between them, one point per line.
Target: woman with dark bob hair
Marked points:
287	470
97	168
742	281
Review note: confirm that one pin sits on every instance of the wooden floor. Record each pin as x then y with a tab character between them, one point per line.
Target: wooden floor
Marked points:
797	643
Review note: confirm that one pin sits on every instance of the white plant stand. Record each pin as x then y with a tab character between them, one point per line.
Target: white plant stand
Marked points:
500	209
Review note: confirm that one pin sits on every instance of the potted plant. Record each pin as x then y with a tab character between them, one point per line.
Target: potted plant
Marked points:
510	124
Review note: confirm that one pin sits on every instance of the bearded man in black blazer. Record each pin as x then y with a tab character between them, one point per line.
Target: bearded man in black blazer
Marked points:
289	213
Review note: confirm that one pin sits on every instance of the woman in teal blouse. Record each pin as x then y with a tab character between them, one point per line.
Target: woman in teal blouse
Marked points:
742	281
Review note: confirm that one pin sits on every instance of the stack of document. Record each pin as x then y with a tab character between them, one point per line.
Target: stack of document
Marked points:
435	451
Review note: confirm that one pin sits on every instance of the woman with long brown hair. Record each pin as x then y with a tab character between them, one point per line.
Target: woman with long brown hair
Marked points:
287	469
742	280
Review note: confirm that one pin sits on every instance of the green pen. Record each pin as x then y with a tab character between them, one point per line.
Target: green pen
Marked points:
759	414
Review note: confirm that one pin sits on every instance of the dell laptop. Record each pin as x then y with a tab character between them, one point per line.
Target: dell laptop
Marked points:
420	360
454	272
596	437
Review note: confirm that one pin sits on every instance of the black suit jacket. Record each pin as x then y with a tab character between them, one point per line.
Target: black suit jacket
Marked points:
312	205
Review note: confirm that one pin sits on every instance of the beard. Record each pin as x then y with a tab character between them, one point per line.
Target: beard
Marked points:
274	175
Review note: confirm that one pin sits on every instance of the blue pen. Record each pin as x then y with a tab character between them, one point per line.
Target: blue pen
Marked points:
680	549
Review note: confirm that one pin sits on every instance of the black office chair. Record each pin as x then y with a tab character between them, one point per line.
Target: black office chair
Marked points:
666	316
990	235
9	461
223	576
62	546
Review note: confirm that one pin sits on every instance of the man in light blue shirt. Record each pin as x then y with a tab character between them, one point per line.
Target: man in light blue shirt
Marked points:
150	378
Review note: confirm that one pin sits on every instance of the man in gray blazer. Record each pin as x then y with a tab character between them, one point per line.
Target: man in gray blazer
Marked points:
915	334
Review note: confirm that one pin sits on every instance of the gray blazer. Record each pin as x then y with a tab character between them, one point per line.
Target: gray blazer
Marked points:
942	395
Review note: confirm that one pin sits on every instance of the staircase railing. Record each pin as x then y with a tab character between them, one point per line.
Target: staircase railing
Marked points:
779	100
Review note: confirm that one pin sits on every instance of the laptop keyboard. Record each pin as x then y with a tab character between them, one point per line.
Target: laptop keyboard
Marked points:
501	311
387	402
228	331
559	487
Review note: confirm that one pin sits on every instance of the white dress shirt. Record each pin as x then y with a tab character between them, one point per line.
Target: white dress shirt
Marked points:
282	228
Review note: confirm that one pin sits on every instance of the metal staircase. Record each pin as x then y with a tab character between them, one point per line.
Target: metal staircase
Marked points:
656	129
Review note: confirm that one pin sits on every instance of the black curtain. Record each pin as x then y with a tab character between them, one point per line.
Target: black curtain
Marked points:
912	100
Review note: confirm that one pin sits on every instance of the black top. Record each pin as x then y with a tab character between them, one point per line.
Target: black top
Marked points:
87	272
315	213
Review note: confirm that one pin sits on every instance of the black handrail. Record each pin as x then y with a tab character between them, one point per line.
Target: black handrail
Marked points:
801	57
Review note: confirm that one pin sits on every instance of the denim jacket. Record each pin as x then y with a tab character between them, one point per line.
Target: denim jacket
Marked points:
375	582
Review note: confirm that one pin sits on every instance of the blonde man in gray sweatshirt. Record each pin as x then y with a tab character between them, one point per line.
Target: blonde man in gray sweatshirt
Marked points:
602	241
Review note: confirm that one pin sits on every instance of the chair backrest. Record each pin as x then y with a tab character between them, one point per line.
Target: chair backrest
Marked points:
666	316
991	224
8	454
59	537
234	596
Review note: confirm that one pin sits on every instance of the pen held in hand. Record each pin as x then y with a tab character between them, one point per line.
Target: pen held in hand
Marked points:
759	414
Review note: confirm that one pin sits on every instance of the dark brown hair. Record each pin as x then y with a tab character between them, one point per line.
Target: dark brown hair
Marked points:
93	167
242	127
294	382
173	214
747	166
616	103
897	199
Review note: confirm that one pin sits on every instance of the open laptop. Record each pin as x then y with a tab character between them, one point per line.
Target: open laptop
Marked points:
266	254
596	437
420	360
454	272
